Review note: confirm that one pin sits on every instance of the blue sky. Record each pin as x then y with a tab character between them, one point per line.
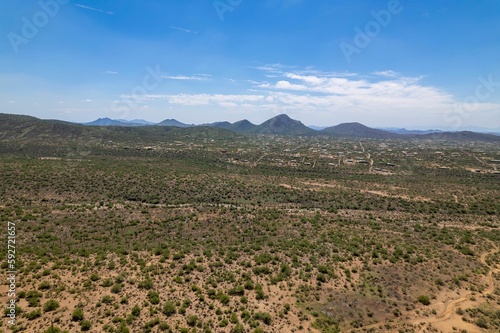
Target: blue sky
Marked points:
384	63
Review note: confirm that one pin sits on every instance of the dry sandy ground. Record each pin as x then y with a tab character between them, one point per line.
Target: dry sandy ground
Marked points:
446	320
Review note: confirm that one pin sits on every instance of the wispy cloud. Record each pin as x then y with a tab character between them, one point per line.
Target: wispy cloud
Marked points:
387	73
272	70
206	99
183	29
111	72
198	77
94	9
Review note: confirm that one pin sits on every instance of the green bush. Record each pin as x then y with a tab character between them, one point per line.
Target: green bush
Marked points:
34	314
136	311
192	320
107	299
481	322
77	315
50	305
154	297
107	283
239	328
169	309
424	300
263	317
116	289
45	285
85	325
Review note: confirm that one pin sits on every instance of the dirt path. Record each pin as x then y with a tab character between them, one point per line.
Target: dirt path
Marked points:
448	317
260	158
484	163
489	277
449	314
368	157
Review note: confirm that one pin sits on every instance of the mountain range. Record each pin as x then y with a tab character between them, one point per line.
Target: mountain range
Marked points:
26	126
284	125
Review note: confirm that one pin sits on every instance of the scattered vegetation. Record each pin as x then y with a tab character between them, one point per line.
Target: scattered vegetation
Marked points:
209	232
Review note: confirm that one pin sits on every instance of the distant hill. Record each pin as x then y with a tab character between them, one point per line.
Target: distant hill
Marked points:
460	136
136	121
26	128
405	131
173	122
283	125
112	122
358	130
20	127
220	124
242	126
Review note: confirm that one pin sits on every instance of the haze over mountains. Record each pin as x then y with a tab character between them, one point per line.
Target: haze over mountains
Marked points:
17	125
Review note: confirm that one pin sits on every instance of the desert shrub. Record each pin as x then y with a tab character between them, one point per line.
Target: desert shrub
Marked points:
169	309
107	283
107	299
77	315
164	327
238	290
192	320
116	289
85	325
239	328
122	329
223	298
146	284
154	297
424	300
50	305
263	316
481	322
45	285
34	314
136	311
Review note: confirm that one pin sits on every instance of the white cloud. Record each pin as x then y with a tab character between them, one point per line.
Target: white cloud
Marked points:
398	93
111	72
318	97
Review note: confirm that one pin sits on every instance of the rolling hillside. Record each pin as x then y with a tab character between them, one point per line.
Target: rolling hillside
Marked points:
26	128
